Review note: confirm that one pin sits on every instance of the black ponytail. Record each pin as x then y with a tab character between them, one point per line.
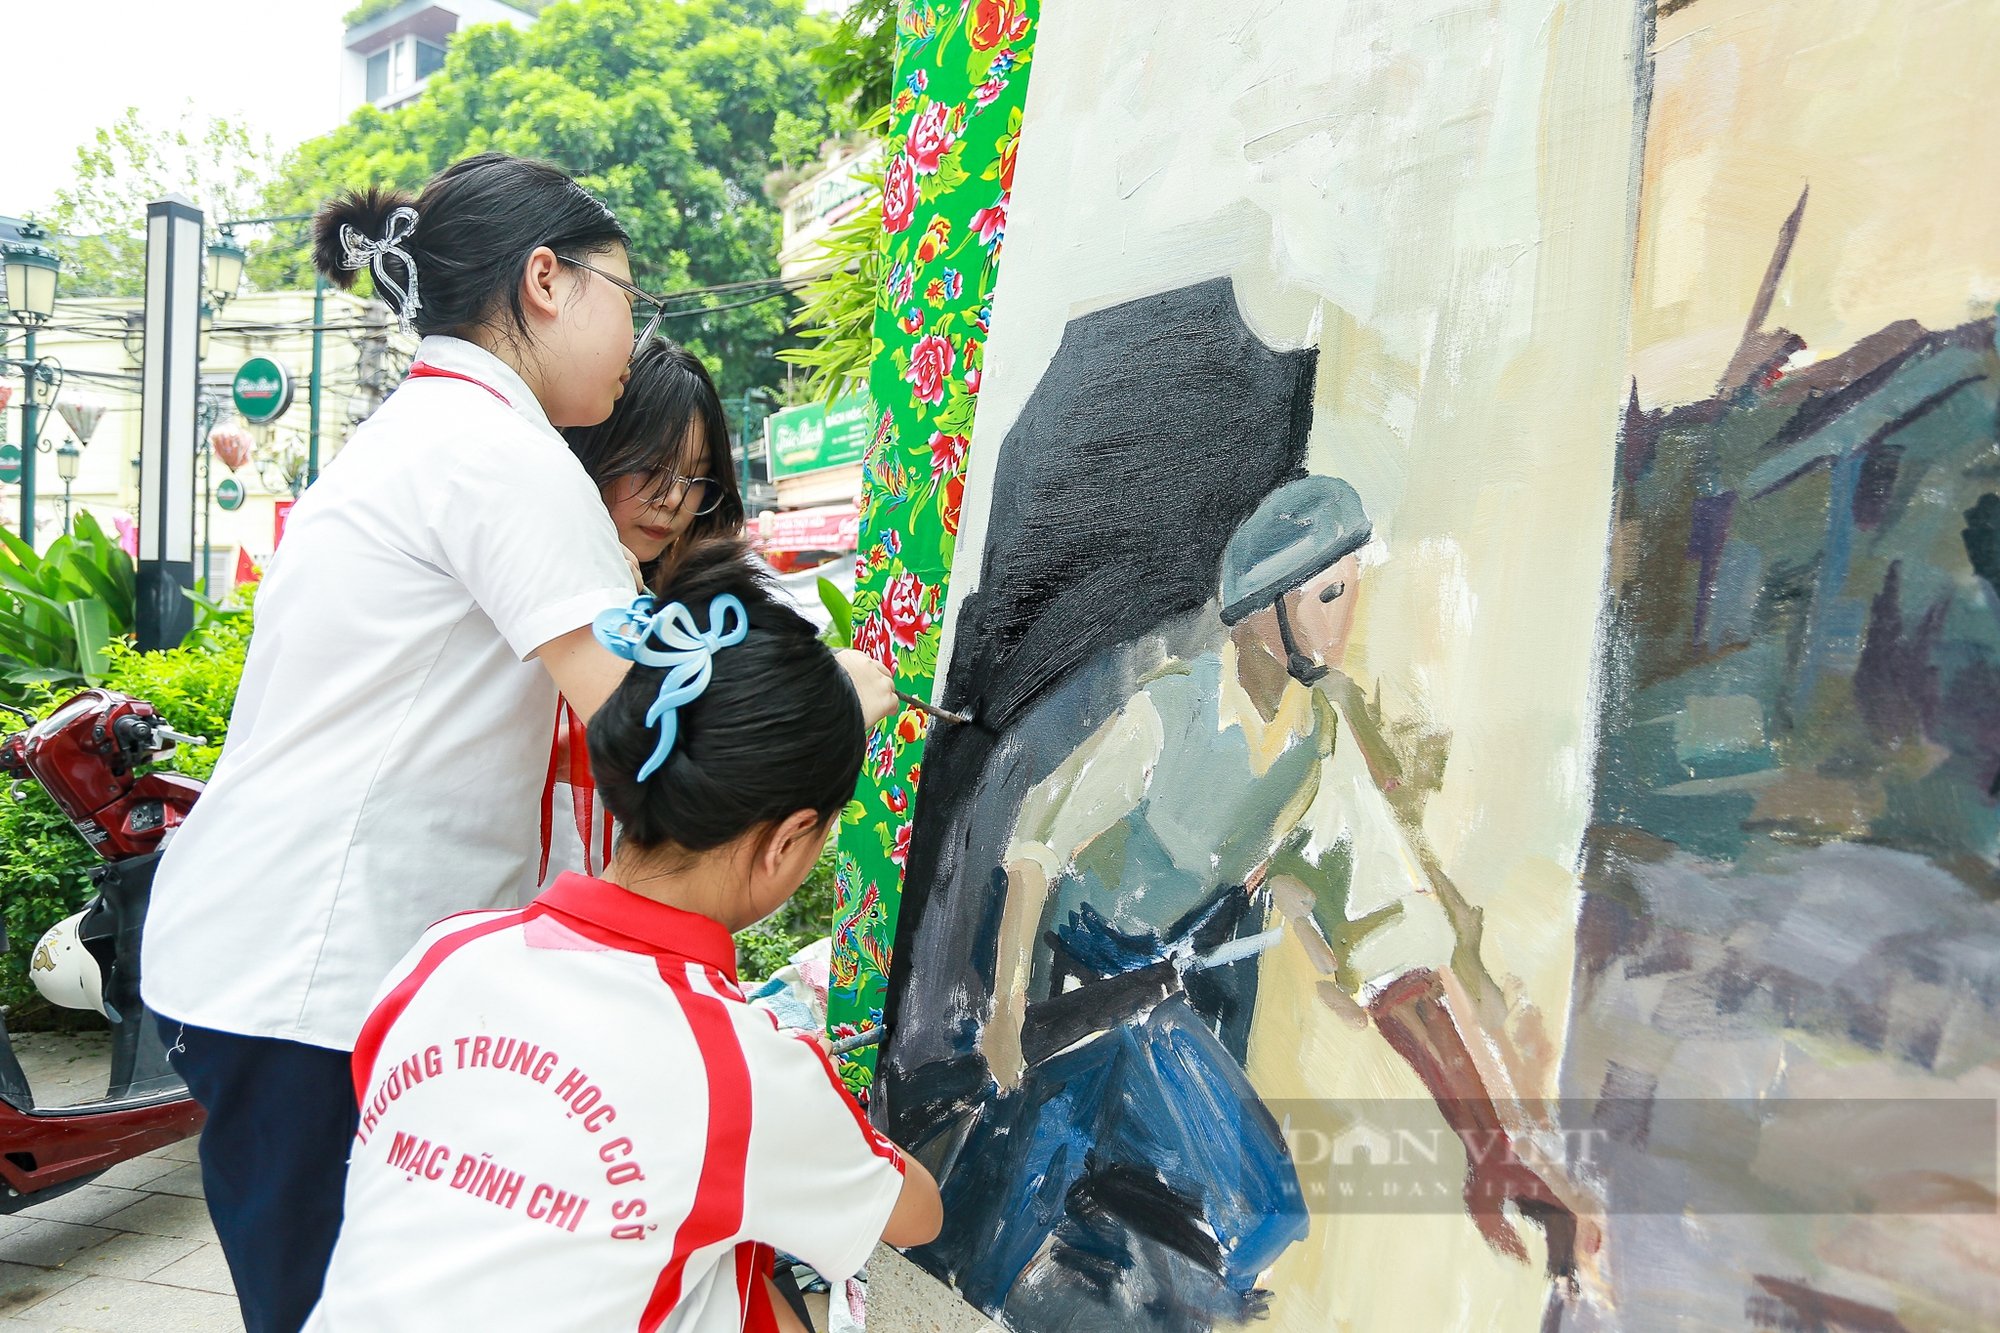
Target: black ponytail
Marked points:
476	224
367	212
778	729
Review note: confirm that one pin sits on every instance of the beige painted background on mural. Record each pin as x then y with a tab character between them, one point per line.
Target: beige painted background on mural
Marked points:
1436	195
1883	107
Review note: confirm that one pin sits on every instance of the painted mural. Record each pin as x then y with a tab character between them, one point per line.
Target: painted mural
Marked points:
1477	583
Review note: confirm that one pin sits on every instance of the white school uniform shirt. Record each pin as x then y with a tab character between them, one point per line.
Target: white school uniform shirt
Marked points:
571	1119
390	739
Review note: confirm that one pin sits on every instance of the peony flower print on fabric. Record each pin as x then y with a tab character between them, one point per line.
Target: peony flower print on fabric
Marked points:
953	143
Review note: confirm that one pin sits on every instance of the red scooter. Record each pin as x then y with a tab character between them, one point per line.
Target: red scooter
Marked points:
93	756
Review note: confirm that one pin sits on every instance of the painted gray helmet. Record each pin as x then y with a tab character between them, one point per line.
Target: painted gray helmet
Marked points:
1303	527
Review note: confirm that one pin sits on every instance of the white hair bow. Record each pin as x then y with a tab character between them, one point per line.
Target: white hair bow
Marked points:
358	252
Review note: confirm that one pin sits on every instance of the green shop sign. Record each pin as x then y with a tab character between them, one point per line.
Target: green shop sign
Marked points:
229	494
806	439
263	390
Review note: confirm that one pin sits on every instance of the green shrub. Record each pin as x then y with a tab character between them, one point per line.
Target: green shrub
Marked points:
62	609
44	863
840	633
767	946
47	866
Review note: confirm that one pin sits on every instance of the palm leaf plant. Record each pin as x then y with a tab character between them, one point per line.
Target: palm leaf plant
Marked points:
61	609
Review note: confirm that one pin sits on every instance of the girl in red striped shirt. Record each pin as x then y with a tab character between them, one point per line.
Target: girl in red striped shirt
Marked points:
570	1118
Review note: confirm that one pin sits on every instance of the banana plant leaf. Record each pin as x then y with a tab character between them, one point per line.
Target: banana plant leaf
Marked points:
24	555
60	609
92	624
16	633
27	675
841	633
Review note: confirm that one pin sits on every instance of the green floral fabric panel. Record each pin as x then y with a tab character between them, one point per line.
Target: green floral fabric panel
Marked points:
962	77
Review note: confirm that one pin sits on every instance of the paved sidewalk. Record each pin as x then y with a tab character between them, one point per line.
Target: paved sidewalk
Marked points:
131	1252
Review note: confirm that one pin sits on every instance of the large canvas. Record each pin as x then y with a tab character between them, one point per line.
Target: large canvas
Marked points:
1475	583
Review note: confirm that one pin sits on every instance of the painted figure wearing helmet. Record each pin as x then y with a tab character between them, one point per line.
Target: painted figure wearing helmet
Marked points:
1238	794
1292	571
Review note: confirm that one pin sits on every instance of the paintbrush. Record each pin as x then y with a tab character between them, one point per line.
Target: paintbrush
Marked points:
938	713
859	1041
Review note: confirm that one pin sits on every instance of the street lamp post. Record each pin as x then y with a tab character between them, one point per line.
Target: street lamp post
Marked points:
318	367
769	397
205	421
225	267
279	468
32	270
67	458
82	419
222	275
208	420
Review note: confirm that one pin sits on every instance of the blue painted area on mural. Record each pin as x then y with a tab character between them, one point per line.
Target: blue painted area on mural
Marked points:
1144	1152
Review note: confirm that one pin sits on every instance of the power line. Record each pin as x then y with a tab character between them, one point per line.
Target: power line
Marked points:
727	288
734	305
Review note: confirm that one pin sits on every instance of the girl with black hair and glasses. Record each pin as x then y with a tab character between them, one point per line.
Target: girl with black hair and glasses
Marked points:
661	460
435	590
661	463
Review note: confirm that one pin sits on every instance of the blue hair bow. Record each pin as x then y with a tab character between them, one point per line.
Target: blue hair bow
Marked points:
688	654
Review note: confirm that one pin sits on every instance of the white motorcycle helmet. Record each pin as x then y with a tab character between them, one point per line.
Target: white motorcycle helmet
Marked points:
65	971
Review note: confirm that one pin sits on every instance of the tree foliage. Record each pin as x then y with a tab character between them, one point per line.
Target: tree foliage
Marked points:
836	324
223	167
673	113
858	60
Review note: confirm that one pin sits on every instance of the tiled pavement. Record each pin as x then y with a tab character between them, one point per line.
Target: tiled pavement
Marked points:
131	1252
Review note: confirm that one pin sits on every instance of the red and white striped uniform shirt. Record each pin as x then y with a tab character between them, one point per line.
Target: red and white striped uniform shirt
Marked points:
571	1119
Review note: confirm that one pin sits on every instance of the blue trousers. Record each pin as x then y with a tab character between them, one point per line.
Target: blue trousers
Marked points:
281	1121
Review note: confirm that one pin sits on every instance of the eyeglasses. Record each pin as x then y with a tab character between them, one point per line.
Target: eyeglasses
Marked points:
705	492
639	298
